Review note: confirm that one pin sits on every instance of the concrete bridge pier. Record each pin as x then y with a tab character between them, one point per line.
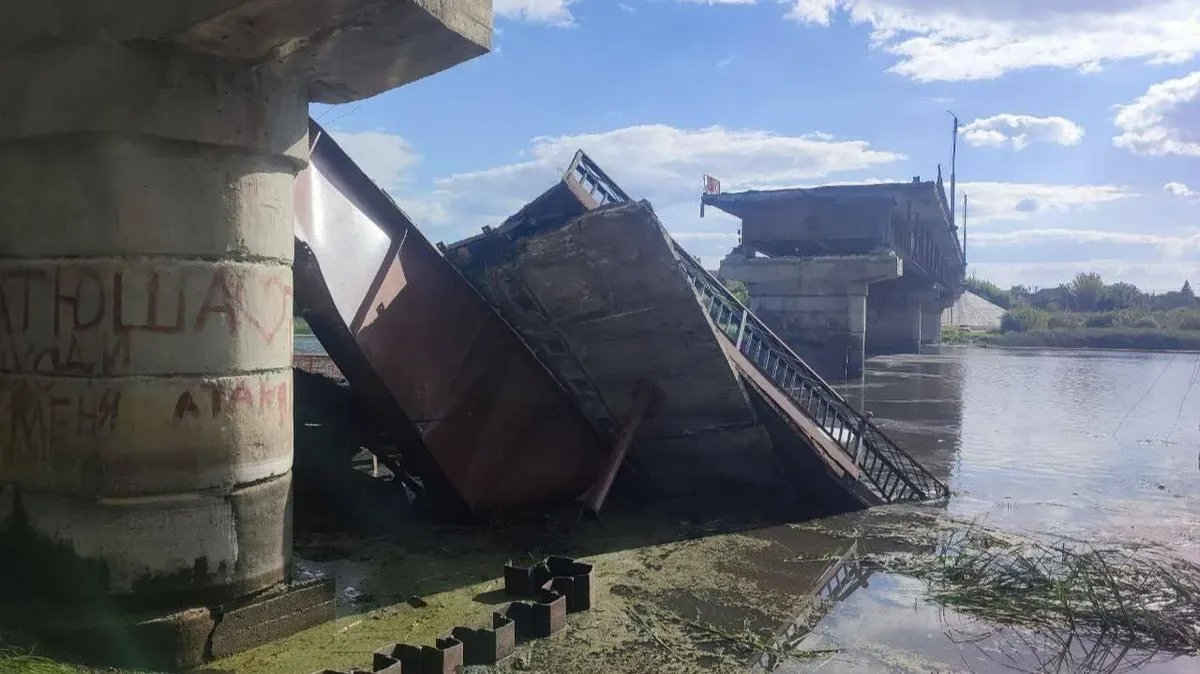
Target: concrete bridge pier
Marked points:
903	314
931	317
818	305
147	159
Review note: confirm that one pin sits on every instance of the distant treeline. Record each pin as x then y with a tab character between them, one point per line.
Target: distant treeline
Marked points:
1087	292
1089	313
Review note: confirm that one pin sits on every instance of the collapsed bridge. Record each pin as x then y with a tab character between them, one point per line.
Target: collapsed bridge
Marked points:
527	364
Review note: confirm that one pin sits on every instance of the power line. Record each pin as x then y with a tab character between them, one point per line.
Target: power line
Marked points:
1186	392
342	116
1139	400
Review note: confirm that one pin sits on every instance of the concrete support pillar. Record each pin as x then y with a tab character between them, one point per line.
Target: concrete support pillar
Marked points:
931	320
145	325
856	351
817	305
896	320
147	158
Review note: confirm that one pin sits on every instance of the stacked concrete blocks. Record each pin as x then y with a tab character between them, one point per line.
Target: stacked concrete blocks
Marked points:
554	587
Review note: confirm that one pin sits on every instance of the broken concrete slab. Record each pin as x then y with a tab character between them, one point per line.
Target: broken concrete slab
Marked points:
605	287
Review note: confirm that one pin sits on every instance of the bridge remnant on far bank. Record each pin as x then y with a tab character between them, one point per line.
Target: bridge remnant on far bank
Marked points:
844	270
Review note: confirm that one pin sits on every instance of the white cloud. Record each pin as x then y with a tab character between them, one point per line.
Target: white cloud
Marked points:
1180	190
552	12
984	39
813	11
1018	131
1171	245
996	201
1163	121
705	236
656	162
385	157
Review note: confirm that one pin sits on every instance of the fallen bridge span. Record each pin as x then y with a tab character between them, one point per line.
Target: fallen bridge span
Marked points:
519	366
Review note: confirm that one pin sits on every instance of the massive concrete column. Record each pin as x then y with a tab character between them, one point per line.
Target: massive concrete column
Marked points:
147	156
931	320
817	305
903	314
145	323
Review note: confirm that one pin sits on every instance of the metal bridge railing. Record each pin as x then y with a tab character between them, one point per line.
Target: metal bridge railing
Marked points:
595	181
890	471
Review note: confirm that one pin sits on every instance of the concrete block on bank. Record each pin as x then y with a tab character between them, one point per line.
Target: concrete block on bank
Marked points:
488	646
524	580
538	619
572	579
444	657
295	608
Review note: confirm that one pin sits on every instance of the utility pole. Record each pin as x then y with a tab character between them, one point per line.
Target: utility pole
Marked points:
964	229
953	164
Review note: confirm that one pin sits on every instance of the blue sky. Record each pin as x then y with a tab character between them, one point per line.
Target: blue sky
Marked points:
1080	147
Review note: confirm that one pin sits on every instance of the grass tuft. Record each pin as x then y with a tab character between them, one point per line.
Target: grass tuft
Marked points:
1137	596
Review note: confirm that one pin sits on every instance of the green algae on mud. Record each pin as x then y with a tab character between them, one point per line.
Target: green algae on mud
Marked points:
666	570
671	595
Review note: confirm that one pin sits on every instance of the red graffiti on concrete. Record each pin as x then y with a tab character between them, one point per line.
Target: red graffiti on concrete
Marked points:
213	401
79	319
39	417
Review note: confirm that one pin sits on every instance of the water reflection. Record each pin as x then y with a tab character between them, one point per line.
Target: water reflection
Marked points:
918	402
1090	446
1082	444
841	579
848	624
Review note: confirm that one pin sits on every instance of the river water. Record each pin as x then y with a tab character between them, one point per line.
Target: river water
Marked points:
1094	446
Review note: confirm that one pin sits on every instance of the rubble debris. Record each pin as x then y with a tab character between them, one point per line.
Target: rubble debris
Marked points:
503	367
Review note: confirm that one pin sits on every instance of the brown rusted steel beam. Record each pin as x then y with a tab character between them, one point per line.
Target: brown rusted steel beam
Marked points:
644	397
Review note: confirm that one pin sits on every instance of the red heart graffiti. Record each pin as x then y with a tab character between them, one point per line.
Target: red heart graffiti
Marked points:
285	295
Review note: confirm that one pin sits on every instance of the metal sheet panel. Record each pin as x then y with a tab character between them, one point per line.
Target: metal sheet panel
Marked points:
493	423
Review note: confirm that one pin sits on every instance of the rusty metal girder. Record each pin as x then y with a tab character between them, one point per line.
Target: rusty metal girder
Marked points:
476	416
